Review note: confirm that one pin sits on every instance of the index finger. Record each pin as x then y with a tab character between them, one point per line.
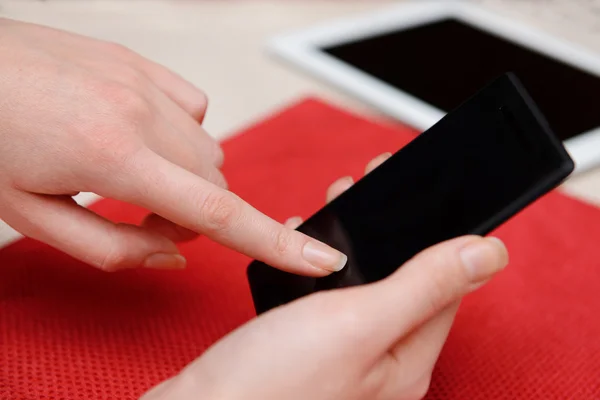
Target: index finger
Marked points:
194	203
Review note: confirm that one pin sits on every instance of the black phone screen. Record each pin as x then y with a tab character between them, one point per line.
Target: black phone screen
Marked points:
468	173
444	62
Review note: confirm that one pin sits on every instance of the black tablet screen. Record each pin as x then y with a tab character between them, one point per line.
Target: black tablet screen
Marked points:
444	62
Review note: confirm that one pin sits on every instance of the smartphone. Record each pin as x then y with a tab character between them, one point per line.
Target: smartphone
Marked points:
478	166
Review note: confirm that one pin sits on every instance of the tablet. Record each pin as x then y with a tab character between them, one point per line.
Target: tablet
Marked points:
416	61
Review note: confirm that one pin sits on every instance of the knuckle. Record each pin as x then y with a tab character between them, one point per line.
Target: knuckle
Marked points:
133	77
201	103
131	106
443	281
196	104
116	256
107	140
438	295
118	50
283	242
220	211
123	103
112	164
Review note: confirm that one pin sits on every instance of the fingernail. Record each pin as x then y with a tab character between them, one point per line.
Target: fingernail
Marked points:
165	261
497	242
321	256
483	258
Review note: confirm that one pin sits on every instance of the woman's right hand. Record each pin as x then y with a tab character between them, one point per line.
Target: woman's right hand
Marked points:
82	115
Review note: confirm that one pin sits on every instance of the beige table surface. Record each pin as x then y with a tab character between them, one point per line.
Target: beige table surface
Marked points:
218	45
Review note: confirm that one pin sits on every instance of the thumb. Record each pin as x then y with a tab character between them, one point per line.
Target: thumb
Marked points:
423	287
61	223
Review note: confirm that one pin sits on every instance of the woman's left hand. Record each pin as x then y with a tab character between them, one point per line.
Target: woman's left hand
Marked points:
375	341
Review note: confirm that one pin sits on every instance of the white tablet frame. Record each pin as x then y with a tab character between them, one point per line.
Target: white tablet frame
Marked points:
301	49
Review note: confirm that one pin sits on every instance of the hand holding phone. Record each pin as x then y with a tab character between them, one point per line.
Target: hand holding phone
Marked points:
381	341
474	169
368	342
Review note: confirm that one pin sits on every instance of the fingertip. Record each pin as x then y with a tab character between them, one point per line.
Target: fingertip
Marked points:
199	104
185	94
321	256
376	162
483	258
338	187
502	249
293	222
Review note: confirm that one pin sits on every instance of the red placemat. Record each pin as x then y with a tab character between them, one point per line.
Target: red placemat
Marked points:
68	331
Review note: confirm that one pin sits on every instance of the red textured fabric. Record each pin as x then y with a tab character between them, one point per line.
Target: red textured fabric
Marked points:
68	331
